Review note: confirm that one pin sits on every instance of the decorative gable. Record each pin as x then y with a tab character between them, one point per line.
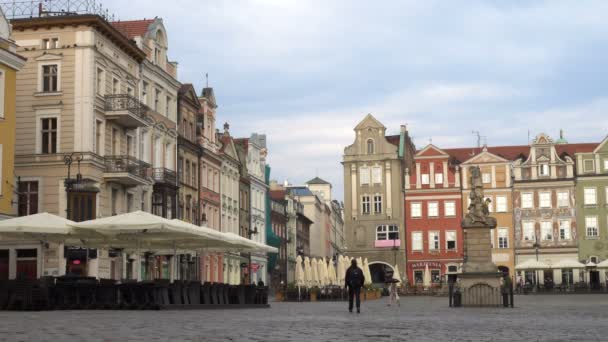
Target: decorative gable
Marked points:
49	57
542	139
432	151
369	122
602	147
485	158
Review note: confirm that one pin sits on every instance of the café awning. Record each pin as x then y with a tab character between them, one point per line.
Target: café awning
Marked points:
532	264
568	263
43	223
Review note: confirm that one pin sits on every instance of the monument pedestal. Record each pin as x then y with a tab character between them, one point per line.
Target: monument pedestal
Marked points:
479	281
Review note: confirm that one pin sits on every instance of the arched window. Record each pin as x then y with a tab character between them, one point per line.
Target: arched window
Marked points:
370	146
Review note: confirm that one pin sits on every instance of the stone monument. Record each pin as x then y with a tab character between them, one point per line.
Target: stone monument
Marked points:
480	279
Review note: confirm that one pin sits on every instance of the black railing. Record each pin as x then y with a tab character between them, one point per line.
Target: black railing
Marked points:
127	164
46	8
162	175
481	295
122	102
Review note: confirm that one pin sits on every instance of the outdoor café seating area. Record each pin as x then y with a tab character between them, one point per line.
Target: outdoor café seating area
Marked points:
87	293
137	234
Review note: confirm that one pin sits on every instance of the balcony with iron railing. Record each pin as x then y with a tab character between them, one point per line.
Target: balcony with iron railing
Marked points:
126	110
162	175
126	170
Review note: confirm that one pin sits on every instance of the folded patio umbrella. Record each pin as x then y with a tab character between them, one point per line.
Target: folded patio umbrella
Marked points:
308	272
396	274
300	280
427	277
367	273
314	265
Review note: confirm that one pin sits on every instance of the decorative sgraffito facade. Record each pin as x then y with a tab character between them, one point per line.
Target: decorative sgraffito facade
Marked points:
544	205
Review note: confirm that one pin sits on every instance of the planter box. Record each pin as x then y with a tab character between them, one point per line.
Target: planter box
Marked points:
313	297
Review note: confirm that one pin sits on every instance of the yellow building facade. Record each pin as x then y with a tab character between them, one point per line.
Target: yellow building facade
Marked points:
10	63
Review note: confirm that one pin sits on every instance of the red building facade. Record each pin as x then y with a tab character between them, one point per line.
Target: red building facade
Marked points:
433	207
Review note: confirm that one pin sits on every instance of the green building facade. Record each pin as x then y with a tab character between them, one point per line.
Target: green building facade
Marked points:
592	209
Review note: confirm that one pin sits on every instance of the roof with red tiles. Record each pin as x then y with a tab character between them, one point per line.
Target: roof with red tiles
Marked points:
571	149
133	28
277	195
393	139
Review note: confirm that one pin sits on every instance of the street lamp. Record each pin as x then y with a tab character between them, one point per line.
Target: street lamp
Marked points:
69	182
395	248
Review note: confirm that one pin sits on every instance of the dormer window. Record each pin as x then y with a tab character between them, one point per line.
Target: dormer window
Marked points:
543	170
50	43
370	146
588	165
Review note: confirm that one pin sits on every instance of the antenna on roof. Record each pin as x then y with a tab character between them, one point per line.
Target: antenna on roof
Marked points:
431	141
478	138
207	80
528	136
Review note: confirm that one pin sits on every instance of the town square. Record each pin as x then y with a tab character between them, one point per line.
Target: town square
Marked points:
282	170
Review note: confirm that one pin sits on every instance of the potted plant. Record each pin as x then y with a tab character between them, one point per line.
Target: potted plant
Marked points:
314	293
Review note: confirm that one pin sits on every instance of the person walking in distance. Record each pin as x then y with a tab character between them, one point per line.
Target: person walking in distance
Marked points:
354	281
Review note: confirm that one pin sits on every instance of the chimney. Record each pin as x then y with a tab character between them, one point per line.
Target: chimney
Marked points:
403	128
226	129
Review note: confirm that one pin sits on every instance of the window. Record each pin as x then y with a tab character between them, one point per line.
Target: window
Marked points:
387	232
501	204
365	205
564	230
370	146
425	179
567	276
590	196
591	226
156	99
50	78
115	142
544	199
527	200
364	175
1	167
435	276
528	231
418	277
416	209
168	106
416	241
503	238
433	209
546	230
98	136
486	178
28	198
49	135
449	208
543	170
378	204
450	240
588	165
605	164
187	178
439	178
115	86
144	92
377	175
50	43
492	238
433	241
130	91
562	199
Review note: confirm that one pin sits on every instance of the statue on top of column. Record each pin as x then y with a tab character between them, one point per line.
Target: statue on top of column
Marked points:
478	214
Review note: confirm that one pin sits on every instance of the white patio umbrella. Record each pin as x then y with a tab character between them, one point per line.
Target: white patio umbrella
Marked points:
532	264
427	277
38	224
333	279
341	270
360	262
321	271
366	272
325	272
568	263
308	273
314	265
251	245
396	274
603	264
299	276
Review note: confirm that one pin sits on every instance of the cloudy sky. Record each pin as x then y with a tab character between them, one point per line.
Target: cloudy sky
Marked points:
306	72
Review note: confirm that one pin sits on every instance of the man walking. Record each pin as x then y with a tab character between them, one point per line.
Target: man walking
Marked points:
354	281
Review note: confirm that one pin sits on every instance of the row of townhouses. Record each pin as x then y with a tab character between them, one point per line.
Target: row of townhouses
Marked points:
404	206
95	122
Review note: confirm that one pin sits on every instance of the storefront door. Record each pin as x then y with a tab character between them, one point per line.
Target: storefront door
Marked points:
594	279
4	262
27	264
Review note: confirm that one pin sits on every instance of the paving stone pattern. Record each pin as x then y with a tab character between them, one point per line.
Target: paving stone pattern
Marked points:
535	318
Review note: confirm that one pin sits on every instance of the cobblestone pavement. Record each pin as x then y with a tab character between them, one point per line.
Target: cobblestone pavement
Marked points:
535	318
